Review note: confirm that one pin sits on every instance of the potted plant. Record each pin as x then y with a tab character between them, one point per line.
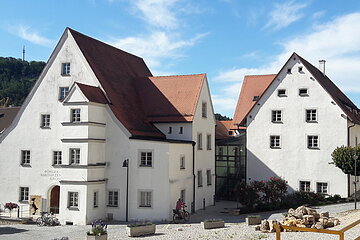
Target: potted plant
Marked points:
140	229
11	206
213	223
98	231
253	220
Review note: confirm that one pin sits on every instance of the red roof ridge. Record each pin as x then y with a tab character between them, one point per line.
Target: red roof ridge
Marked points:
254	75
180	75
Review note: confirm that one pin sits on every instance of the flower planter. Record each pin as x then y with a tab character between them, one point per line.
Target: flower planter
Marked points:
92	237
213	224
256	220
136	231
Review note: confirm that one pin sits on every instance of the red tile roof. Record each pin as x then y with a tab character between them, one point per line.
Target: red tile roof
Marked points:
222	129
93	94
7	115
253	85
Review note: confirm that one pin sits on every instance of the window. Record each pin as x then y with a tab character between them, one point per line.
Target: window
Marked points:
146	159
73	201
230	133
181	130
208	177
63	92
24	194
305	186
199	141
113	198
256	98
182	195
145	199
74	155
322	187
199	174
276	116
96	199
311	115
170	130
45	121
300	69
303	92
313	142
204	109
25	157
65	69
57	158
182	162
275	142
281	93
289	71
75	115
208	142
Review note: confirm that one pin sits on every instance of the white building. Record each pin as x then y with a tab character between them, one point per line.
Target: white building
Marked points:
94	107
295	119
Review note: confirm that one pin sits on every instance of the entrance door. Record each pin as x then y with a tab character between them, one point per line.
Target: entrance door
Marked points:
55	199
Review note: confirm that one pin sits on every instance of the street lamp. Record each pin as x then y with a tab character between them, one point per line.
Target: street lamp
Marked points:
126	164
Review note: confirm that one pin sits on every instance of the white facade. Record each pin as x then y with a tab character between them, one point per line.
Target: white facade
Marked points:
290	157
93	151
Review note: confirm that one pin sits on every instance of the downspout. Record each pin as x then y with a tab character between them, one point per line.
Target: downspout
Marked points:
348	143
194	178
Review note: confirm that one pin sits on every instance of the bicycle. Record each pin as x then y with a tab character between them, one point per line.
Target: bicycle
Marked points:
47	219
181	215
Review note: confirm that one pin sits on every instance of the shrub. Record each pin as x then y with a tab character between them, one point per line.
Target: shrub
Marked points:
11	206
98	228
246	194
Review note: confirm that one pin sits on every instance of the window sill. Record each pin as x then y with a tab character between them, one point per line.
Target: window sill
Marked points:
24	201
200	186
209	149
313	148
65	75
73	208
275	122
282	96
182	168
275	147
144	206
199	149
312	121
96	206
44	127
26	165
112	206
145	166
303	95
209	184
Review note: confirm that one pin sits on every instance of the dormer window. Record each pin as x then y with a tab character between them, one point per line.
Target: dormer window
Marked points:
170	130
65	69
281	93
255	98
303	92
181	130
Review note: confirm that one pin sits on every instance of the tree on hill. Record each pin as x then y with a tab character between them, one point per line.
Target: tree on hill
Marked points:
220	117
17	77
345	157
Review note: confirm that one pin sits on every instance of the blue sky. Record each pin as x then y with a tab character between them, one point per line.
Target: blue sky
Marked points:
223	38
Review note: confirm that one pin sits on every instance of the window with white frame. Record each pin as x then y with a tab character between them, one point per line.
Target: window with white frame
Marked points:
45	121
146	159
208	177
199	175
181	130
24	194
145	199
182	161
313	142
305	186
75	115
182	195
322	187
63	92
25	157
65	69
57	160
311	115
204	109
74	155
73	199
113	198
276	116
281	92
208	142
199	141
96	199
303	92
275	141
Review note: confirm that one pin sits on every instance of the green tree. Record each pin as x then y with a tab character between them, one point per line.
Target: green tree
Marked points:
345	157
220	117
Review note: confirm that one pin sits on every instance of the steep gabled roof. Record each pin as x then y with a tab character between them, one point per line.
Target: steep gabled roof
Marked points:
253	86
7	115
93	94
348	107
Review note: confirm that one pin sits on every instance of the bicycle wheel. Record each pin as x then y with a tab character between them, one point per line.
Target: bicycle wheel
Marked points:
186	216
39	221
176	218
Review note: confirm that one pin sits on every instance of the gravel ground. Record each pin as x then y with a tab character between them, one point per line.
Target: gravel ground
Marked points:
235	227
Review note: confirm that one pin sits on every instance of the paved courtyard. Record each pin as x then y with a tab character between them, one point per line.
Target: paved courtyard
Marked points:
235	227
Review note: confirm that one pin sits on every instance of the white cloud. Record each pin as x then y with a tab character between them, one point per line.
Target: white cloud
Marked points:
337	41
30	35
284	14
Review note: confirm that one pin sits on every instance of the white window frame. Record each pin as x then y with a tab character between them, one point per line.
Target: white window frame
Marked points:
65	69
75	156
208	141
75	115
45	120
276	116
96	199
199	141
73	200
313	141
25	157
57	157
145	199
321	184
200	178
311	115
113	198
304	183
275	141
182	162
146	158
24	194
63	92
208	177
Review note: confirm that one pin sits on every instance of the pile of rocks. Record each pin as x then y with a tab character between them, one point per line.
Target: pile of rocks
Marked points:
301	217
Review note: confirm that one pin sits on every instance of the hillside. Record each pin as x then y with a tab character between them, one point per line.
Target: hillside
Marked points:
17	78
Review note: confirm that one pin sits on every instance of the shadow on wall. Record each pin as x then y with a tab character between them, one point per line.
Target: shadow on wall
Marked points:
257	170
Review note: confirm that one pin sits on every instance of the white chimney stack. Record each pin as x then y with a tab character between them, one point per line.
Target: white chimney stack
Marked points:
322	66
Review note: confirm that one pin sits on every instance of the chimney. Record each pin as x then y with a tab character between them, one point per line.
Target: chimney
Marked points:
322	66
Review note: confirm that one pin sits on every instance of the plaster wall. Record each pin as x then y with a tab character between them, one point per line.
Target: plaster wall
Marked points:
175	134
